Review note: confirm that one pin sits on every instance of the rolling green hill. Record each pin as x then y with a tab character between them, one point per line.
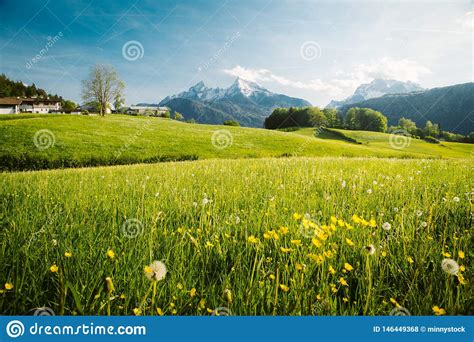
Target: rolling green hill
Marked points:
51	141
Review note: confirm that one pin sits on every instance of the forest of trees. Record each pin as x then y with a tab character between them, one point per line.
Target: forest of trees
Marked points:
363	119
9	88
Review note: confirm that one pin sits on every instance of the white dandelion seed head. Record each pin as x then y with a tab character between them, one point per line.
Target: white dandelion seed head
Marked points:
419	213
370	249
369	191
424	224
450	266
158	271
386	226
395	209
444	199
54	242
456	199
205	201
343	184
374	182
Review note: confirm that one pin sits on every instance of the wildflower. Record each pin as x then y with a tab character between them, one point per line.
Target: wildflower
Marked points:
253	239
450	266
356	219
410	260
386	226
110	254
316	242
137	311
159	311
296	242
369	191
424	224
349	242
54	242
438	311
395	209
318	297
372	223
202	304
209	244
348	267
333	288
462	268
192	293
179	286
156	271
300	267
296	216
419	213
284	288
343	184
446	255
333	219
456	199
271	276
328	254
283	230
331	270
370	249
461	279
345	300
343	282
67	254
384	254
271	234
285	250
110	285
54	268
461	255
8	286
228	296
205	201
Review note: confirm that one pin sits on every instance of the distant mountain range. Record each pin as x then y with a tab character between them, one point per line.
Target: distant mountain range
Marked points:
244	101
377	88
451	107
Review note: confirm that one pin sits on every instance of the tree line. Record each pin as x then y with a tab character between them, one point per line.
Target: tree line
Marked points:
364	119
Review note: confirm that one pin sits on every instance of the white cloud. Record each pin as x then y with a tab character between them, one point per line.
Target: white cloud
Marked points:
467	21
344	83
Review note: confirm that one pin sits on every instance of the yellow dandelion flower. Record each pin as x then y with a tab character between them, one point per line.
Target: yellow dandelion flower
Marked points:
410	260
252	239
54	268
328	254
110	254
8	286
384	254
372	223
296	242
209	244
345	300
284	288
331	270
202	304
266	235
296	216
271	276
192	293
285	250
67	254
179	285
122	296
159	311
137	311
462	268
348	267
461	279
333	288
316	242
299	267
461	255
356	218
333	219
349	242
283	230
438	311
348	226
343	282
318	297
340	223
446	255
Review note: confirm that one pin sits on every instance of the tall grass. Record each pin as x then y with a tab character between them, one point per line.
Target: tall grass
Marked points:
209	222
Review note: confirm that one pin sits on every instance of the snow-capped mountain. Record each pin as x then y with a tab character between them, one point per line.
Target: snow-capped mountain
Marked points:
377	88
244	101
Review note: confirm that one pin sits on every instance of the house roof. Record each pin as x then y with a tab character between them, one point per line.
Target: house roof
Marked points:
16	100
13	101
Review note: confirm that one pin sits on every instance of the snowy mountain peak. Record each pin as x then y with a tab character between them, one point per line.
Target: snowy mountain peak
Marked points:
246	88
377	88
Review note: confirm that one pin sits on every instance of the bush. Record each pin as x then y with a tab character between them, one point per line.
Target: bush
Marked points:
430	139
231	123
85	112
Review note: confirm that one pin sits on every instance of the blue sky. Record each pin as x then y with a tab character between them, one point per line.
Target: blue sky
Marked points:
316	50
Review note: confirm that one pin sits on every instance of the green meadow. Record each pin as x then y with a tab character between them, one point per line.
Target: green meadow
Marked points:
312	232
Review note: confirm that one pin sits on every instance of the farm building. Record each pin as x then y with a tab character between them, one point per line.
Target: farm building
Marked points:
14	105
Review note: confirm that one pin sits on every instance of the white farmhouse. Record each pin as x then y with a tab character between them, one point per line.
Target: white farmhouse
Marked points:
15	105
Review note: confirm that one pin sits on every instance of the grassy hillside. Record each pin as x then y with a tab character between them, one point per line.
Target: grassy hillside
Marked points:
119	139
278	234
